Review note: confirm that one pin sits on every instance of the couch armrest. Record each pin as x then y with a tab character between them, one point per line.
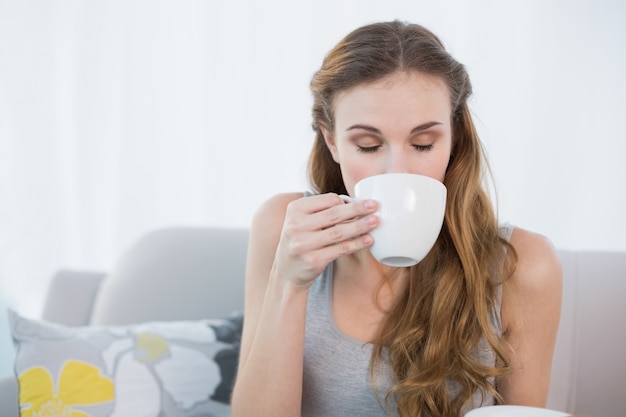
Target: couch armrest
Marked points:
8	397
71	296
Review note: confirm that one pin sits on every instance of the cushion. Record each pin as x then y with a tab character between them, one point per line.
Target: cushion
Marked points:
176	368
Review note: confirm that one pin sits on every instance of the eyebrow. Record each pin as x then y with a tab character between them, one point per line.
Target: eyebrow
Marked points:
372	129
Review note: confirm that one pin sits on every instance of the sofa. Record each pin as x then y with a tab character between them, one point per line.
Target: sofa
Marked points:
189	274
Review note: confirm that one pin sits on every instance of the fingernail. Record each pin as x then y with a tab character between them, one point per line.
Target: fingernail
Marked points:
368	204
371	220
367	240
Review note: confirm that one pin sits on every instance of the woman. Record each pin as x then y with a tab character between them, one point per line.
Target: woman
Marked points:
329	331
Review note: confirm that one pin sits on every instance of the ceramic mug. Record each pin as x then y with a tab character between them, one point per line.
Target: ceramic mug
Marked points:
515	411
411	211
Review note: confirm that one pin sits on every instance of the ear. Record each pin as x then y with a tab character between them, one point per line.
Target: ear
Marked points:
330	142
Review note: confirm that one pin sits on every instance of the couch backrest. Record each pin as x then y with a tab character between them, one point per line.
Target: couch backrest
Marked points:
176	274
196	273
589	369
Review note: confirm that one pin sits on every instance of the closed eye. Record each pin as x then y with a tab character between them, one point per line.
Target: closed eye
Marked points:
423	148
368	149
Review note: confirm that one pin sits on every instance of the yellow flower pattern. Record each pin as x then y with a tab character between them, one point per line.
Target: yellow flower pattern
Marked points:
152	369
150	347
80	384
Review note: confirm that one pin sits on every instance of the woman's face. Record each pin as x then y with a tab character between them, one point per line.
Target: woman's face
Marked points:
400	123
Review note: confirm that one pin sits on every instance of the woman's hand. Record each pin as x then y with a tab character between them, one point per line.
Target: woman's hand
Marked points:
319	229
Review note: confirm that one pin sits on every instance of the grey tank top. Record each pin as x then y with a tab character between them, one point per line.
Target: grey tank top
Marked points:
336	379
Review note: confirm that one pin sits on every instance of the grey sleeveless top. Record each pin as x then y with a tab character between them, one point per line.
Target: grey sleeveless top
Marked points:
336	380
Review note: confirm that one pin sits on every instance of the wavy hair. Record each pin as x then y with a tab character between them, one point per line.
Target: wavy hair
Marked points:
432	334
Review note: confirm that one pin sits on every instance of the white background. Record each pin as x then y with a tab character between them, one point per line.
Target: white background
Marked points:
119	117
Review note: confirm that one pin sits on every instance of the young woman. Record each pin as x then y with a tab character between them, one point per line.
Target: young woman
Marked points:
329	331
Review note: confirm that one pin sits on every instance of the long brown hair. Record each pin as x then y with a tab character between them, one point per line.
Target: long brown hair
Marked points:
432	334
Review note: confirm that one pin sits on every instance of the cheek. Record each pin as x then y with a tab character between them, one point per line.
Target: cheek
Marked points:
440	164
435	166
443	168
353	172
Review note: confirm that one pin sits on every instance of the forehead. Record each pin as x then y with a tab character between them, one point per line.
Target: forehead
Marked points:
413	95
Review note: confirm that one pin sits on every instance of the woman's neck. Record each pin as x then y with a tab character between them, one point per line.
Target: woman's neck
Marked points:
361	270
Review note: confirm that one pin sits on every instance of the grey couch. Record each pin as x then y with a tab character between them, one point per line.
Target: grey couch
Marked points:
195	273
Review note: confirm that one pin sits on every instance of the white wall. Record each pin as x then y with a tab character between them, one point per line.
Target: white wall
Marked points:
118	117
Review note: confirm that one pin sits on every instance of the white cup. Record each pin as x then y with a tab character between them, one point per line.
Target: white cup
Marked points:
411	211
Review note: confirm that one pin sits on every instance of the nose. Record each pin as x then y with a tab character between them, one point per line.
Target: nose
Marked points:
397	161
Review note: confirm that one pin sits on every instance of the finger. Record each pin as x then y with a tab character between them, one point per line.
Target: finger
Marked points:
298	216
343	213
337	214
329	253
309	241
316	203
349	230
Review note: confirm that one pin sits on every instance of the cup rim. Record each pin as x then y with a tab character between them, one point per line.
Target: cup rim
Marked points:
401	174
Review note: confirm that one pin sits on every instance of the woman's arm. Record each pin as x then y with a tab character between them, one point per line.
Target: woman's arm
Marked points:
292	240
258	377
531	309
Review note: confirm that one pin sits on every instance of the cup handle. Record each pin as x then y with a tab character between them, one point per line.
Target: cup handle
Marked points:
347	198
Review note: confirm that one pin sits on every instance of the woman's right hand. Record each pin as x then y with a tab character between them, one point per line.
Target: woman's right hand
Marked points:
292	240
319	229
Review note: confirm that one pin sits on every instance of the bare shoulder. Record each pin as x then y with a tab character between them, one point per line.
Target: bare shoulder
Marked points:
270	215
278	202
265	234
535	289
266	230
538	265
531	308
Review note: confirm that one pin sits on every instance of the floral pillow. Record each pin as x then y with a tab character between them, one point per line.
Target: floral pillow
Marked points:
156	369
